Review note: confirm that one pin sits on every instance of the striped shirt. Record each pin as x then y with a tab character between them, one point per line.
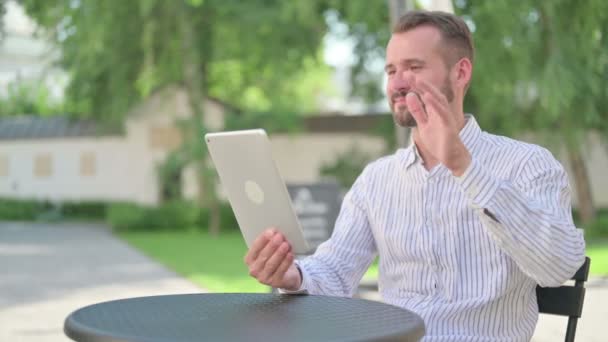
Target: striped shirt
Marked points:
464	253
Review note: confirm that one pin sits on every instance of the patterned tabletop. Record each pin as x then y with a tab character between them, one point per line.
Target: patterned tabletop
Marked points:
243	317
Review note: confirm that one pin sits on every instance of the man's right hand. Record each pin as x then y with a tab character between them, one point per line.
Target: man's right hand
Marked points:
270	261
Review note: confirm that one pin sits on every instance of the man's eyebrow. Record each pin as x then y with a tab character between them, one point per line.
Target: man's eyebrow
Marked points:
412	61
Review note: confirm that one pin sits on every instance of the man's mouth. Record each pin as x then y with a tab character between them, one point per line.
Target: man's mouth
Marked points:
399	97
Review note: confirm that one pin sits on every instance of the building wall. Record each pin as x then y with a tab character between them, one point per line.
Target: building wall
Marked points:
64	169
299	157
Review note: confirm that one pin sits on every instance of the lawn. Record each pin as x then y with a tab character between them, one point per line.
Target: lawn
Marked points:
217	263
598	252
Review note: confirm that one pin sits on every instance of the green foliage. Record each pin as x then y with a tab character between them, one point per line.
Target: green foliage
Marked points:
271	122
169	174
85	210
346	167
598	229
227	218
248	52
542	67
21	210
42	210
172	215
29	99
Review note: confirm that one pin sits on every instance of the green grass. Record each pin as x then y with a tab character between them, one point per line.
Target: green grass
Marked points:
212	263
598	252
217	263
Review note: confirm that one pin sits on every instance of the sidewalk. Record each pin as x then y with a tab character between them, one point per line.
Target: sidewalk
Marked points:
49	271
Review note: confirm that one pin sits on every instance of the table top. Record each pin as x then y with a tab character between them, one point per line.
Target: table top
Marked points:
242	317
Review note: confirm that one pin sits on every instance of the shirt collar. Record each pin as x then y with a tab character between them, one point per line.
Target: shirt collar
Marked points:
470	135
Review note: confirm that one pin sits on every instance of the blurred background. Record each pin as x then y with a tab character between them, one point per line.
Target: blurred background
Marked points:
106	187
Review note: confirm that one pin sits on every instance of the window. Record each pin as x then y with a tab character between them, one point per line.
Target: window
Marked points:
43	165
164	137
88	164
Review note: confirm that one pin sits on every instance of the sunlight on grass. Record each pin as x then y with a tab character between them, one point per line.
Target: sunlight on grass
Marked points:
215	264
598	252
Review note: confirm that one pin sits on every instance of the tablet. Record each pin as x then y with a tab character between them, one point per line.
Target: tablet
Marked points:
254	187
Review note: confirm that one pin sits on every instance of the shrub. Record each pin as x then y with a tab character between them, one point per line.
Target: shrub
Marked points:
22	209
126	216
598	228
174	215
89	210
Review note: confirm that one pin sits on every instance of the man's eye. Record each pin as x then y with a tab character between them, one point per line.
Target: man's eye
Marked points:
416	67
390	72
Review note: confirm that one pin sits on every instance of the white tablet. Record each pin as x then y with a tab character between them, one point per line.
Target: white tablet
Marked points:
254	187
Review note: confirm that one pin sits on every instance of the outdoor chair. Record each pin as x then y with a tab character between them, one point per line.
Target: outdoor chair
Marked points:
565	300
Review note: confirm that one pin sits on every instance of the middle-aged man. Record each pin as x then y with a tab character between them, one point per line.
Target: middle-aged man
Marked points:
465	223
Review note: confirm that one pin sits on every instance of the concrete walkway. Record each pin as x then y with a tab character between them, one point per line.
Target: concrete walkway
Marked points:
48	271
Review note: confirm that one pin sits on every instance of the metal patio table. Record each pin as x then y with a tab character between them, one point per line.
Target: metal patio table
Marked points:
242	317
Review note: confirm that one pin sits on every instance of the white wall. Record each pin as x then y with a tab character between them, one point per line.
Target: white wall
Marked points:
299	157
113	178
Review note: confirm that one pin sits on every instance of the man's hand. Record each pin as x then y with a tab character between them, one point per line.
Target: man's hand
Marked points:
437	127
270	261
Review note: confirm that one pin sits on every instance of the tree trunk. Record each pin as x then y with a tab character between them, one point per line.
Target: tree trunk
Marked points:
195	69
586	208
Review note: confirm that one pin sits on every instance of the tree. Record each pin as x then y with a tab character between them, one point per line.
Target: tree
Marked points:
542	66
248	53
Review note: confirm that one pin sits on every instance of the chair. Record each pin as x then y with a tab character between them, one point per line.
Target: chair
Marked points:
565	300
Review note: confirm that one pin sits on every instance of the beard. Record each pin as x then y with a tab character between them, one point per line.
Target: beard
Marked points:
403	117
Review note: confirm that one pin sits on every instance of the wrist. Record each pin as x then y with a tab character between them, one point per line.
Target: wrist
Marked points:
294	280
462	163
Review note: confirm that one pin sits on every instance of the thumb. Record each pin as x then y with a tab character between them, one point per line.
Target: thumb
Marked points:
416	107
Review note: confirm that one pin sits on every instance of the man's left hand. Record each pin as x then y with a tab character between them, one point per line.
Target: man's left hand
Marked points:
438	130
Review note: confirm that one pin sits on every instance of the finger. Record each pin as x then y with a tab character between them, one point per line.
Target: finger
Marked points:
415	106
258	245
434	99
259	263
275	261
425	87
277	277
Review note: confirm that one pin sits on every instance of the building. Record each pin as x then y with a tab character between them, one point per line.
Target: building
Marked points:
61	160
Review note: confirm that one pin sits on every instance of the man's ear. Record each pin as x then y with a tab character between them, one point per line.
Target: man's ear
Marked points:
464	72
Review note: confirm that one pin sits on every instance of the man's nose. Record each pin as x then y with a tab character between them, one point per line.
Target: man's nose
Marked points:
402	81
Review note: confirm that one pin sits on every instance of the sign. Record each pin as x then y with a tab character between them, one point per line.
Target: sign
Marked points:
317	206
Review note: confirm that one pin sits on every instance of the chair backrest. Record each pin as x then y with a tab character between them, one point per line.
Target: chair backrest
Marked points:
565	300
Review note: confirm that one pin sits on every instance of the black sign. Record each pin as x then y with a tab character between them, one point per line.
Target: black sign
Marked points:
317	206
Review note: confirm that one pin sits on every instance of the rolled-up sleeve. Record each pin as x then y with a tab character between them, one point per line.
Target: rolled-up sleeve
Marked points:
529	217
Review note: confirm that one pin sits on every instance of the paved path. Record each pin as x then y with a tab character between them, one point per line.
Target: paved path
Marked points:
47	271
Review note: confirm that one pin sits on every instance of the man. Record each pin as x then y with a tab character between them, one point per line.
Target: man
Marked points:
465	223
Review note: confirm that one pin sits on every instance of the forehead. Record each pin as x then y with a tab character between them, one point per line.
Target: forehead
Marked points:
420	42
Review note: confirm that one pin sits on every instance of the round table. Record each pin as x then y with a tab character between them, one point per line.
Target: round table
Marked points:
242	317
